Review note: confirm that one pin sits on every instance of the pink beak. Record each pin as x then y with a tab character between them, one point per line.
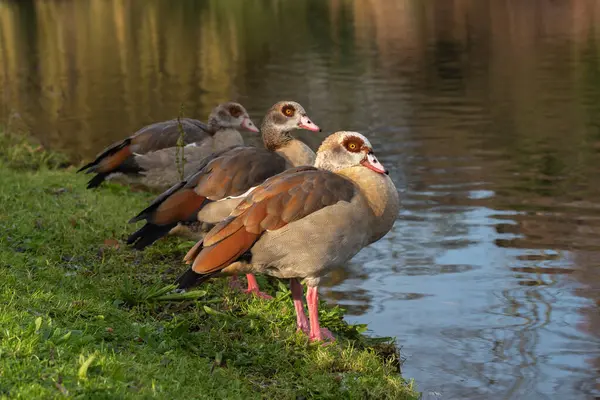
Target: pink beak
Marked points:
249	125
373	164
306	123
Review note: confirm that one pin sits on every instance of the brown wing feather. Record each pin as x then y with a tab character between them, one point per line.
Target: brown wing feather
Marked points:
177	207
112	161
237	171
215	258
253	218
190	183
161	135
108	152
193	252
272	205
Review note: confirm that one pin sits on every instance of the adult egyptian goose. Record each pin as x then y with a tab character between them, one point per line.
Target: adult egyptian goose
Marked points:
302	223
211	193
125	156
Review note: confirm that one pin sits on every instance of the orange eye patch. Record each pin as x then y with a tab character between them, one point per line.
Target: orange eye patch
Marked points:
288	111
353	144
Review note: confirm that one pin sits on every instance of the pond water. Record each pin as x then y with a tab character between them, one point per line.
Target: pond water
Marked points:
487	113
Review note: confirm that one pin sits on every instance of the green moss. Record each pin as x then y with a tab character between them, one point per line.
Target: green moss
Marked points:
81	315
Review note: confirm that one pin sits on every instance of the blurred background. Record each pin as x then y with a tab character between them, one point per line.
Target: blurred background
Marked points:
486	113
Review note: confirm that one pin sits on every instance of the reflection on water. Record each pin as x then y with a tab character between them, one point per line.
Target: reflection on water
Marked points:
486	113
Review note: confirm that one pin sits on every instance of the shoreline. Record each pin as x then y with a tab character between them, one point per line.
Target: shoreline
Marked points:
85	315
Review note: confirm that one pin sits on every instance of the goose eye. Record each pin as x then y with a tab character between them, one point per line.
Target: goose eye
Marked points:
352	146
288	111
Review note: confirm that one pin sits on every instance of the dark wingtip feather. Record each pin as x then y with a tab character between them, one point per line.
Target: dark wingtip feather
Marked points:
137	218
148	234
96	181
190	279
86	166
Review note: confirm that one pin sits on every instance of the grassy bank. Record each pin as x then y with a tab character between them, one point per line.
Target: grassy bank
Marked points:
82	316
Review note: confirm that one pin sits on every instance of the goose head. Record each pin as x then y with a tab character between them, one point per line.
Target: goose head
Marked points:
282	118
288	116
231	115
345	149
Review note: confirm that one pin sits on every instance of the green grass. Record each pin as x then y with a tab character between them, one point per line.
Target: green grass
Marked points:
20	152
83	316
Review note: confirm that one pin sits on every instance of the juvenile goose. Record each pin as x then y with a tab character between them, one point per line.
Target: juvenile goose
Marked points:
302	223
211	193
126	156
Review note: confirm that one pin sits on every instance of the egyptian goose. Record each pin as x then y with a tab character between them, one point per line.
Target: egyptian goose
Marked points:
126	157
302	223
211	193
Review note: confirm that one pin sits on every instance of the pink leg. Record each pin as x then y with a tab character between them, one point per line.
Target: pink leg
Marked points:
316	332
297	293
254	289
